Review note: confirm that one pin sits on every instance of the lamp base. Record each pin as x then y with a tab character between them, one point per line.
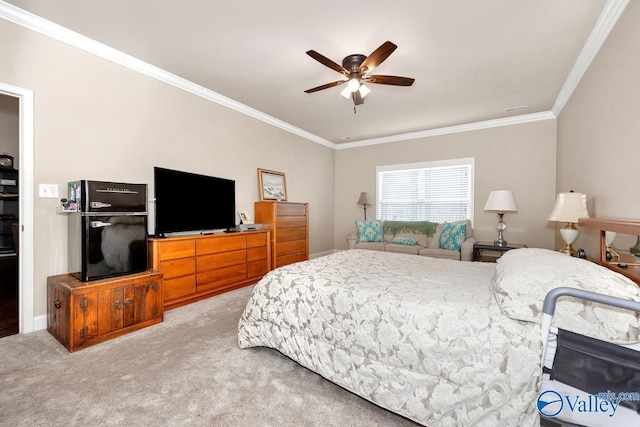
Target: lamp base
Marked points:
500	226
568	249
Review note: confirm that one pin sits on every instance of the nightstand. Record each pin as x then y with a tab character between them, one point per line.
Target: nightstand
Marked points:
490	252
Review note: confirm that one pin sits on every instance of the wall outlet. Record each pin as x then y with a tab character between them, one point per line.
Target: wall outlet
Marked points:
49	191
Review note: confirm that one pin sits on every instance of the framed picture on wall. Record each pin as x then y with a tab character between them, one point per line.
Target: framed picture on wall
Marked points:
272	185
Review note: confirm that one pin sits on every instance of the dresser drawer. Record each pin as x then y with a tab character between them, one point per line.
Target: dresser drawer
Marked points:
294	233
220	244
291	209
290	259
290	221
222	276
292	247
213	261
179	287
257	269
256	254
177	267
176	249
254	240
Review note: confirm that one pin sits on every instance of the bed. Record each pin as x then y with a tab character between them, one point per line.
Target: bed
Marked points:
440	342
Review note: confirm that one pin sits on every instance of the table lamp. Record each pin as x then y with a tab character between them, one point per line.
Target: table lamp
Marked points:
500	201
569	208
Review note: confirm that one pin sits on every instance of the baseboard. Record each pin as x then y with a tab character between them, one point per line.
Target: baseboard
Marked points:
319	254
40	322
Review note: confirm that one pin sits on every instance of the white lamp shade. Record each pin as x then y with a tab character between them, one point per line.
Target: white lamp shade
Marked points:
501	201
569	207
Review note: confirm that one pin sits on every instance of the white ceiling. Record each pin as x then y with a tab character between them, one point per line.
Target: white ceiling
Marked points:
471	59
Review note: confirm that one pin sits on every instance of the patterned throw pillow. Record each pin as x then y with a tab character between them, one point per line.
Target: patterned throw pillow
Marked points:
452	236
405	241
369	231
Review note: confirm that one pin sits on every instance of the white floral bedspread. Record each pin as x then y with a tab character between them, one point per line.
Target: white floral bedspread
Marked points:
420	336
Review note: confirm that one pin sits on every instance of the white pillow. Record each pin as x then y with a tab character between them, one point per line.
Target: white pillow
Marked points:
525	276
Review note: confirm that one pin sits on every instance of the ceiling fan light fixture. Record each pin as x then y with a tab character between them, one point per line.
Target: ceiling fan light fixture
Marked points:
346	92
364	91
353	85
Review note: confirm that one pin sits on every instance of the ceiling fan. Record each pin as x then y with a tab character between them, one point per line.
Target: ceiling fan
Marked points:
356	69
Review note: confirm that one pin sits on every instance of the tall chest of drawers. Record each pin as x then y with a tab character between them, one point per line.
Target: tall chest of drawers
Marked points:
289	223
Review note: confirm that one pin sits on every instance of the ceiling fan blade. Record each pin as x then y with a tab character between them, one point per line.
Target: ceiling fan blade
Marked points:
377	57
327	62
390	80
326	86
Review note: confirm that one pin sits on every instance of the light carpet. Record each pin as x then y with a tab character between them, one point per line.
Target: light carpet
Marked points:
187	370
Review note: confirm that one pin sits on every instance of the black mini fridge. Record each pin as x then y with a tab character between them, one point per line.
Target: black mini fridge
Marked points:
108	233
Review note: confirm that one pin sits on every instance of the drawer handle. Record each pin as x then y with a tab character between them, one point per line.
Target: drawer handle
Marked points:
56	303
122	304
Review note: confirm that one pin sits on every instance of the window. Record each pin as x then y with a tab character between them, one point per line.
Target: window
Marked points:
432	191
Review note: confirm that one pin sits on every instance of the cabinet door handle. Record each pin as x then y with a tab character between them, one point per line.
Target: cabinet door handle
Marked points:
122	304
56	303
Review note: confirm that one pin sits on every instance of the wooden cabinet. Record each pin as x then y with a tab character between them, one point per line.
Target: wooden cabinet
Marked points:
627	264
289	224
197	267
81	314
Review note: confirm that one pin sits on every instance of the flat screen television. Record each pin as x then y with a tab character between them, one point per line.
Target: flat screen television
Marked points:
187	201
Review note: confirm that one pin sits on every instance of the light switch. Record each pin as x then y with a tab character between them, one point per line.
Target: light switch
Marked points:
48	190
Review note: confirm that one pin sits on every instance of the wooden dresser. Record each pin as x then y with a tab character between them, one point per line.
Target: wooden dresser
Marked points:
289	223
197	267
81	314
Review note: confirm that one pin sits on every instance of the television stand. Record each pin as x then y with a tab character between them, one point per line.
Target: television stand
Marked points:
200	266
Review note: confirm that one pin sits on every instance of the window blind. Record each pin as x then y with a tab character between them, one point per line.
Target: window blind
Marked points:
427	191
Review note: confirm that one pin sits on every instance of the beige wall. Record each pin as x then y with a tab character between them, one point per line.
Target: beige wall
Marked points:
599	130
521	158
9	129
100	121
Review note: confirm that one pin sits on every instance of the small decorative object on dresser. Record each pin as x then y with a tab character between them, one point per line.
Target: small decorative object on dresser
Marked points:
272	185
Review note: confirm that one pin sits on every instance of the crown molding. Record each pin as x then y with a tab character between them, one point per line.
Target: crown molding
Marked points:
50	29
487	124
605	23
607	20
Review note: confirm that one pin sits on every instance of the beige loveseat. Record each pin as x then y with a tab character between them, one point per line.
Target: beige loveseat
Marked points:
425	234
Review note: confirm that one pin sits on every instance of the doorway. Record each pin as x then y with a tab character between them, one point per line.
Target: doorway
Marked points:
9	219
16	269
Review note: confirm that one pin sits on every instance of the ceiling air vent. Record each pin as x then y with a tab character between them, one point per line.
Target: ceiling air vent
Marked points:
512	109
